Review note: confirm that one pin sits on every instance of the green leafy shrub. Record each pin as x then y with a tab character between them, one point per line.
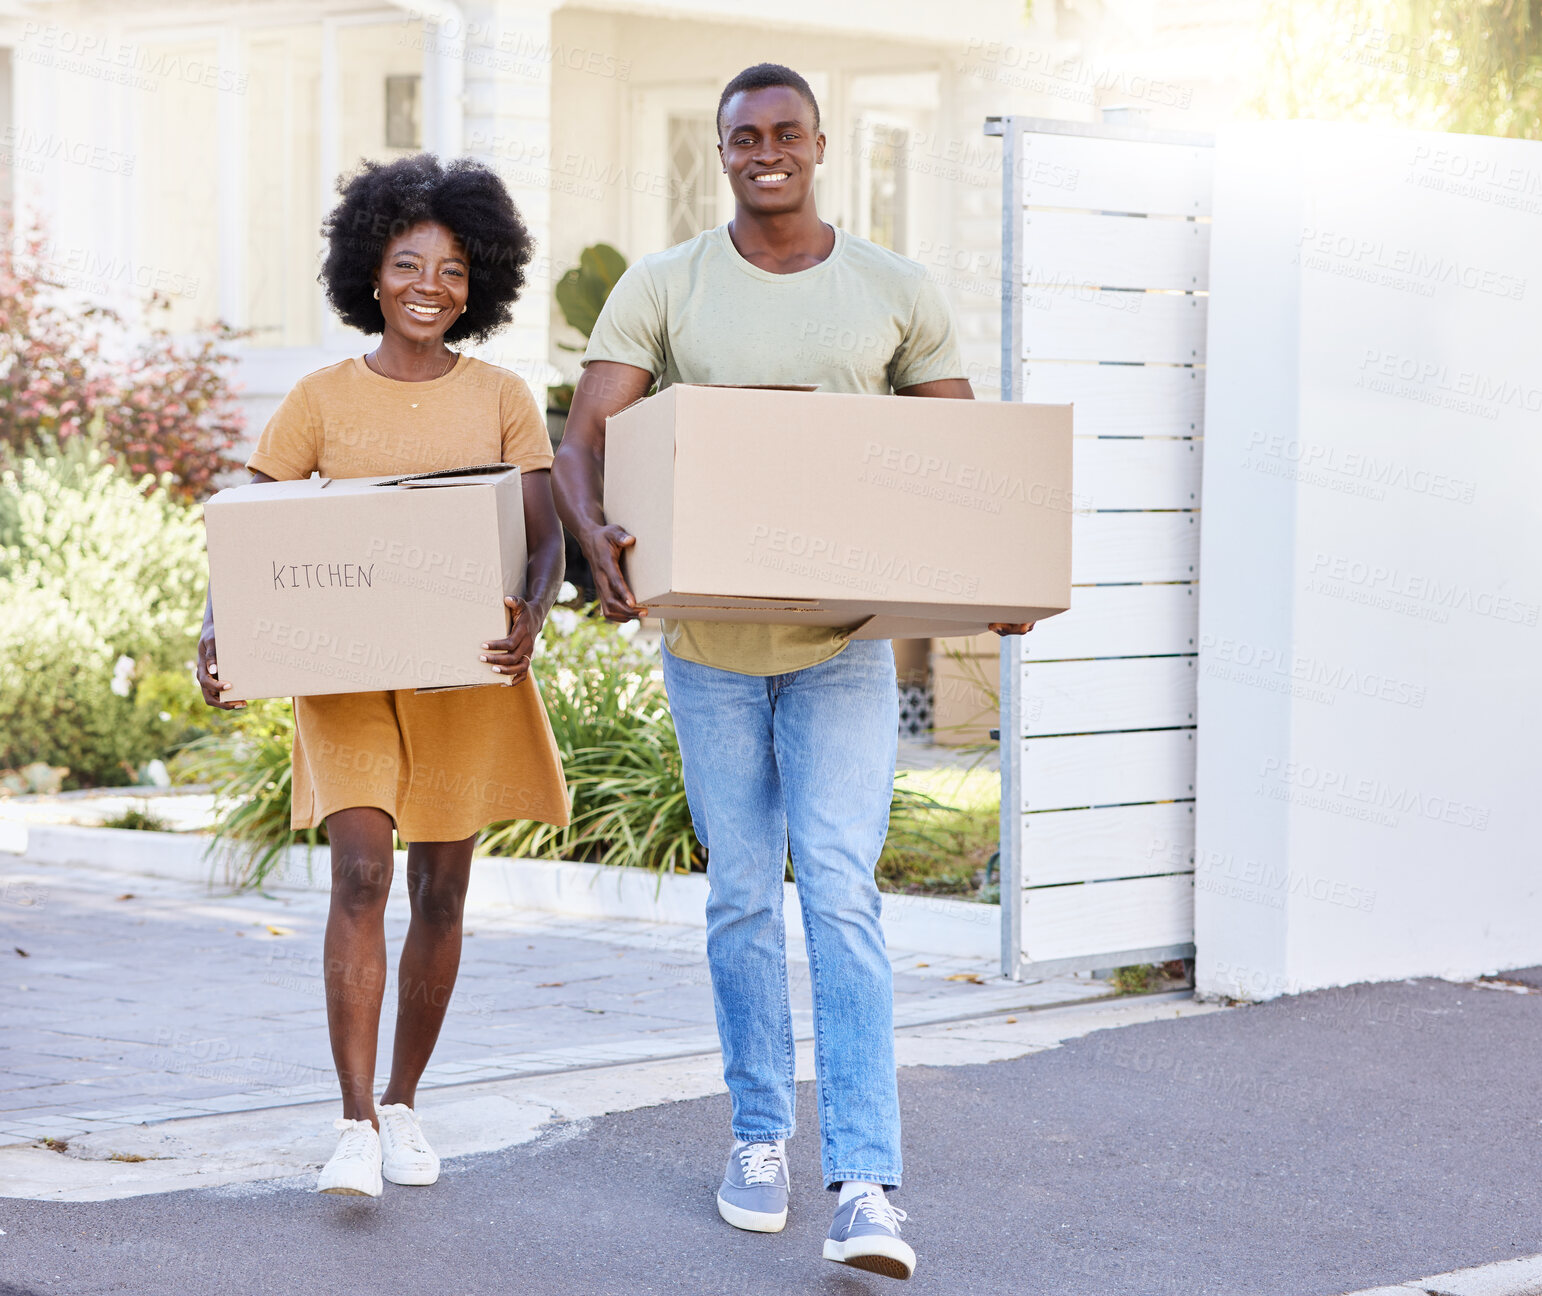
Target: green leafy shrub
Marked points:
248	766
611	721
941	843
101	579
617	740
581	294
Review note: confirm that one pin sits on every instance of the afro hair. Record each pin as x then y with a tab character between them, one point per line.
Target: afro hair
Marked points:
762	76
382	200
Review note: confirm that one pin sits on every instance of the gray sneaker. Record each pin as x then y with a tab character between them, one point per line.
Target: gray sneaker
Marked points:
865	1235
754	1191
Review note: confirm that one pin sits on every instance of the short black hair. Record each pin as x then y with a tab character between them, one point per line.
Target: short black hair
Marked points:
762	77
382	200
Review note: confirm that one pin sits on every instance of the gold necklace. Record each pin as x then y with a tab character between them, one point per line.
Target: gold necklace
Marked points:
373	361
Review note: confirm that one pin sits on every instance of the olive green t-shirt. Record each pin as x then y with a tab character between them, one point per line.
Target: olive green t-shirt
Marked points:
863	320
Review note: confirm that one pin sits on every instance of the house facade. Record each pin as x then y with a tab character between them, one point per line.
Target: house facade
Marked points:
189	149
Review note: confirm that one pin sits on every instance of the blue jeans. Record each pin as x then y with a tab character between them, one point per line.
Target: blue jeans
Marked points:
803	760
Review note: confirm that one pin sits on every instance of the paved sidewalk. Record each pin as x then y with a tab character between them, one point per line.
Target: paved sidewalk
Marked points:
1344	1141
290	1143
133	1000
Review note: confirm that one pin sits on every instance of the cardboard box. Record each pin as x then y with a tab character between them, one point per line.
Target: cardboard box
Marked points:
898	517
351	585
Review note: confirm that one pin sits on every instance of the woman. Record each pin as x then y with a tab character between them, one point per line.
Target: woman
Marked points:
423	255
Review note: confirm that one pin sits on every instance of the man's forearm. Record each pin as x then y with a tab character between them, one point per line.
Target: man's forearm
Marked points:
578	486
578	475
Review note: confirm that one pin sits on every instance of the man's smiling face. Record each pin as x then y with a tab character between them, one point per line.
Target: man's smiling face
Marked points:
770	147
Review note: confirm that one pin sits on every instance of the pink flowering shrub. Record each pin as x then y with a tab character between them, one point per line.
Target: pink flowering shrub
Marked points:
161	406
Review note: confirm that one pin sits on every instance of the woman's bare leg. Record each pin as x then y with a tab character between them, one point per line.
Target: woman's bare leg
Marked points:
437	876
355	951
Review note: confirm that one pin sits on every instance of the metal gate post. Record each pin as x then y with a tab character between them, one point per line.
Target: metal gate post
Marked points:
1010	864
1010	867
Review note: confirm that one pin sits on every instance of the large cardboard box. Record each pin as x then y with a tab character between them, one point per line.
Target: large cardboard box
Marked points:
351	585
898	517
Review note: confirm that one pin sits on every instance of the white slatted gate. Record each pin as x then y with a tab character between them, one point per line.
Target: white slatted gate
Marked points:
1105	254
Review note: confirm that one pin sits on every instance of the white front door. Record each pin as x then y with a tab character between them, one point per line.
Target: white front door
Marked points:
674	178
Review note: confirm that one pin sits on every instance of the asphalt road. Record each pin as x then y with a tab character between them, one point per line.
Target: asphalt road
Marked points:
1306	1147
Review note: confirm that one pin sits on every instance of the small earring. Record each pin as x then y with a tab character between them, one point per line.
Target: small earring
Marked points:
377	294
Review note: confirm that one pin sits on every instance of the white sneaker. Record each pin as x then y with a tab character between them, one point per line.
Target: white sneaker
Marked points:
354	1170
406	1157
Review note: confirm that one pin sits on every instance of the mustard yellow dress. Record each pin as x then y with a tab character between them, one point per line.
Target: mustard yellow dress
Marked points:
442	765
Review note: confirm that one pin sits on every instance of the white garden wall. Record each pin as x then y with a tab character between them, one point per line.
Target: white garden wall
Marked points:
1372	555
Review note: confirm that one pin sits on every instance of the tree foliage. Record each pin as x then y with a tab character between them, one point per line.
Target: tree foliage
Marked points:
1473	66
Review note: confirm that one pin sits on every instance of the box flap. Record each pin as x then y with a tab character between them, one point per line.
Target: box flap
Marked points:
300	488
796	387
473	473
664	391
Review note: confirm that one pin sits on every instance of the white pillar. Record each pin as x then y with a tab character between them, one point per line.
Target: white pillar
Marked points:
7	124
449	83
35	97
486	80
233	169
84	202
334	336
508	126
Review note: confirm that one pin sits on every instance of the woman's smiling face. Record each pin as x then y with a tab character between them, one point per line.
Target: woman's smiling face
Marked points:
423	281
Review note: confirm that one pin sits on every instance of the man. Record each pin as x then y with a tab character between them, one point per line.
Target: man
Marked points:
788	733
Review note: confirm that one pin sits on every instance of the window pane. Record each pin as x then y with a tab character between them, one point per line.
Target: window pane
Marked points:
404	117
692	192
885	155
